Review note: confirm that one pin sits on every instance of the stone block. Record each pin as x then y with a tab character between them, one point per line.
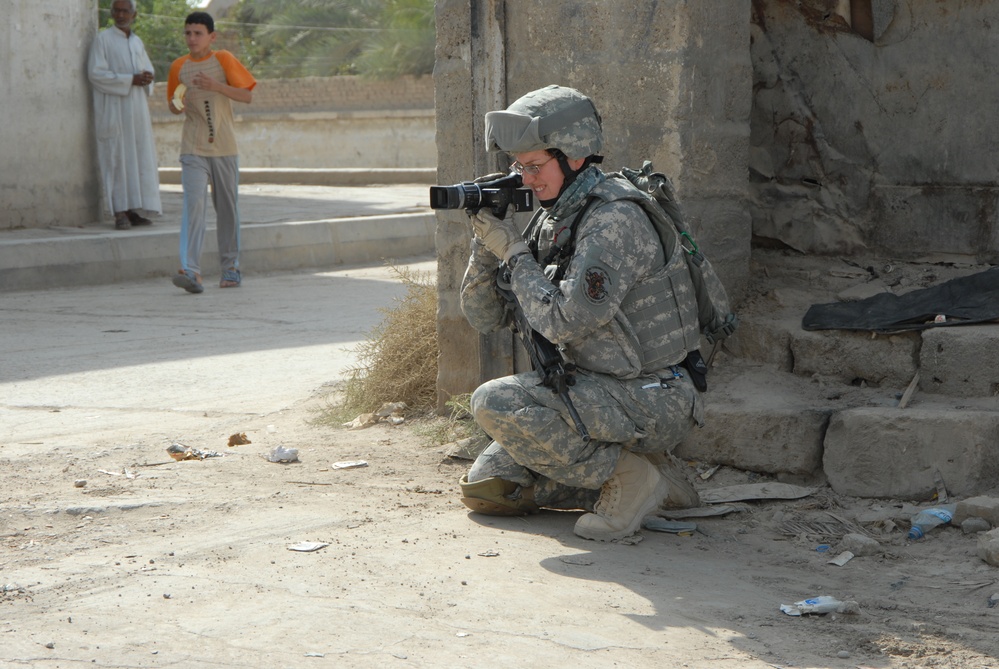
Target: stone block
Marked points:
918	220
763	340
960	361
774	432
890	452
977	507
988	547
776	442
881	361
860	545
975	525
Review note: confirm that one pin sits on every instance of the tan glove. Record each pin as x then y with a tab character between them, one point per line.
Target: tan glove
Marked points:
498	235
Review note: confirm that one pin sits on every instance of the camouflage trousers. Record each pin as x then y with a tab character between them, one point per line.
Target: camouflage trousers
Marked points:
536	444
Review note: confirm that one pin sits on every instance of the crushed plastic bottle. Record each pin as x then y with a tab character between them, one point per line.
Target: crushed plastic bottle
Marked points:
927	519
820	605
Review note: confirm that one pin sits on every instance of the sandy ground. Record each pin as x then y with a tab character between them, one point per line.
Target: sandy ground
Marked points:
162	563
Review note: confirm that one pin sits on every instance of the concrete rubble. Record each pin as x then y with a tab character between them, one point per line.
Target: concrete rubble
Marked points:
828	406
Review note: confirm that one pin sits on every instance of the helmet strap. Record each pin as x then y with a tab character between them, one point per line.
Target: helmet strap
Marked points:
568	174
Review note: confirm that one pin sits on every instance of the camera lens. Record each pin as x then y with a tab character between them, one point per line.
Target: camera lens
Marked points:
462	196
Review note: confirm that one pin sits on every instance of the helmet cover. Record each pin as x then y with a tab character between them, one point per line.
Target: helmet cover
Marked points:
554	117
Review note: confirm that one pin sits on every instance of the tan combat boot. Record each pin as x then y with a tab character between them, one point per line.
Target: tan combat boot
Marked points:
634	490
497	497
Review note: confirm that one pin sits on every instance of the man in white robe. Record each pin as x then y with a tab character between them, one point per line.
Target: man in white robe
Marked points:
122	76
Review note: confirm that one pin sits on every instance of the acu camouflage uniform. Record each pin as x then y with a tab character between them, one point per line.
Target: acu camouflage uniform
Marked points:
624	313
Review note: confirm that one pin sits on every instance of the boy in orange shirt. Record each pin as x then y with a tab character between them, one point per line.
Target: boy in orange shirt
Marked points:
201	85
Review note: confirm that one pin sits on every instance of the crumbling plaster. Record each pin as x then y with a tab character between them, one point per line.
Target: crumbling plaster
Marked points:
882	146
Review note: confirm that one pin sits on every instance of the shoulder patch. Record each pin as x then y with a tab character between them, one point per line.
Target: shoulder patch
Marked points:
595	284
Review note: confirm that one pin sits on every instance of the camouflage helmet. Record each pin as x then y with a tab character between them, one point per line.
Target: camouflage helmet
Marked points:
553	117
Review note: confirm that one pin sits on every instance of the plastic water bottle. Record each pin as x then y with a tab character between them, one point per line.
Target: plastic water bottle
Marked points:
927	519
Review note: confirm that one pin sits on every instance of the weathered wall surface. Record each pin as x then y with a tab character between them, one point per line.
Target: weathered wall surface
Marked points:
320	139
48	160
322	122
885	145
672	81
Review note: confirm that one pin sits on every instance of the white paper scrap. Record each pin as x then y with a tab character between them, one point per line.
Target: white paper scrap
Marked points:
307	546
349	464
842	558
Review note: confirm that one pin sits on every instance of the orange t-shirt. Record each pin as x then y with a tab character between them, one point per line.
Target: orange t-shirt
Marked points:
208	124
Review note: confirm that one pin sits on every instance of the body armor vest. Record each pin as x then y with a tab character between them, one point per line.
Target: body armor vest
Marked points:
660	311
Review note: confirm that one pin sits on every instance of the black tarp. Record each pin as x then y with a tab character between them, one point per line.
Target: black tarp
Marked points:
967	300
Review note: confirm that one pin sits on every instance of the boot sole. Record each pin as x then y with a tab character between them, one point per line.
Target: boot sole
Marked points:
488	508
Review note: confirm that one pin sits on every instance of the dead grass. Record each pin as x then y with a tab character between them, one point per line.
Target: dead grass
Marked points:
457	424
397	362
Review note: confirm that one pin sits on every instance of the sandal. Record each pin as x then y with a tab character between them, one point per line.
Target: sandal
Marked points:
188	280
137	219
122	222
231	278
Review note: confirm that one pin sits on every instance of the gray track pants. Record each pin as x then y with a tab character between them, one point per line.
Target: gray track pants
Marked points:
196	172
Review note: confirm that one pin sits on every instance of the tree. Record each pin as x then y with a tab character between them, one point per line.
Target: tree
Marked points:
160	24
297	38
405	45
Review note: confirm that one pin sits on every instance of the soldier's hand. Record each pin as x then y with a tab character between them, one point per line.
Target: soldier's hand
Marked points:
499	235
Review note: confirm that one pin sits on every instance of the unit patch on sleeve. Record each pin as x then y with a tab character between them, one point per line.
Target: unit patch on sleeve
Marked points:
595	284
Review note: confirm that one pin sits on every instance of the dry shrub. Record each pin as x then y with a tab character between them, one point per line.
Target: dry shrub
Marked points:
398	360
456	424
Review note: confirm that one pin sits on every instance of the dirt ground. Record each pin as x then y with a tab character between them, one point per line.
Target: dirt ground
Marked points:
154	562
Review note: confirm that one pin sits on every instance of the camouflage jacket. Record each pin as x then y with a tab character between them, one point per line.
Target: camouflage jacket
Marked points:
616	252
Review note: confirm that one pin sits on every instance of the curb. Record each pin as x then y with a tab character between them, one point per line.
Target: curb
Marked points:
94	259
321	177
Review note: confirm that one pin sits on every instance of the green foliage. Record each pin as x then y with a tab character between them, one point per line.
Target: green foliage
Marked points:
405	45
160	24
301	38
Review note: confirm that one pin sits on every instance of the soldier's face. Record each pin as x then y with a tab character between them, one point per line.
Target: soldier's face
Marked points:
547	183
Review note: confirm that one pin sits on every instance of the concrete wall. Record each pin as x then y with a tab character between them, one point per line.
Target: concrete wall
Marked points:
882	144
672	81
320	140
322	122
48	160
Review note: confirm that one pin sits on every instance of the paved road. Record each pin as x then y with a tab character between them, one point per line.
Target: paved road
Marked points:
124	359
